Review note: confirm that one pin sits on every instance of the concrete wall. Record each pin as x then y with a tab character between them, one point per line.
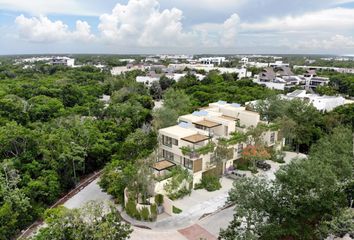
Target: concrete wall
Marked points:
271	85
159	186
168	205
197	177
266	138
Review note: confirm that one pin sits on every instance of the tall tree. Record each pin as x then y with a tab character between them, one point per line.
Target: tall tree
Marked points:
92	222
300	199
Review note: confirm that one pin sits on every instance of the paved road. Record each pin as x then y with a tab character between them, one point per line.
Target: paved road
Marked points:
210	223
216	221
199	203
91	192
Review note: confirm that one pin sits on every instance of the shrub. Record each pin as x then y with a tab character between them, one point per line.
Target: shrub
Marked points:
159	199
209	183
176	210
277	156
131	210
153	212
173	186
145	214
242	165
179	194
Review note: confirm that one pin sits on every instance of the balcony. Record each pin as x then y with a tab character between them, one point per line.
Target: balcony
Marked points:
196	151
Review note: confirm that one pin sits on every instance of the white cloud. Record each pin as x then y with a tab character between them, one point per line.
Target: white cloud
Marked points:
141	23
158	25
223	34
83	31
324	20
42	30
337	42
166	28
45	7
229	31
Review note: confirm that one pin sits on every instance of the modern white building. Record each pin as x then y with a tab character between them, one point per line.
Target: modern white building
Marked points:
54	60
178	76
242	72
147	80
130	67
322	103
212	60
202	128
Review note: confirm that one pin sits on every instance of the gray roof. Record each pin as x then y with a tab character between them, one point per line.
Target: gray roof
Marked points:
267	74
284	71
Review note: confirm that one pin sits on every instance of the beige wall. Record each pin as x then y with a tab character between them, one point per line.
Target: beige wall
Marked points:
266	138
167	205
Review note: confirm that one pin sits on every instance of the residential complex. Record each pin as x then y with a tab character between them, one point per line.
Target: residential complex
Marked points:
281	78
203	128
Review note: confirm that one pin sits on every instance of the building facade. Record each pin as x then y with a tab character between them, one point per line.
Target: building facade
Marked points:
180	144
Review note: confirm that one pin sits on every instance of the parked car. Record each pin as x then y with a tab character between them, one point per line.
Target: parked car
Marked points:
263	165
236	175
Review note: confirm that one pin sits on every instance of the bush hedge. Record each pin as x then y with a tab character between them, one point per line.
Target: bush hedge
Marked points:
209	183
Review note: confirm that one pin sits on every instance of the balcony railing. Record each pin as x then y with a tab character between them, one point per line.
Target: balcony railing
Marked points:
167	144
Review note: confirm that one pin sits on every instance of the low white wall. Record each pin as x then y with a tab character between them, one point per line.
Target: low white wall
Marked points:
167	205
159	186
197	177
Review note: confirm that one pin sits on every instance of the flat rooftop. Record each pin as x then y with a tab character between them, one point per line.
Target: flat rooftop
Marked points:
196	138
228	118
178	131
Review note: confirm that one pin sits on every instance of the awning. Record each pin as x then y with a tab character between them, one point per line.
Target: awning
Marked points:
196	138
162	165
207	123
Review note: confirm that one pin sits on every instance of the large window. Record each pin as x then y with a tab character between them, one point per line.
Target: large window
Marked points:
187	163
168	141
239	149
168	155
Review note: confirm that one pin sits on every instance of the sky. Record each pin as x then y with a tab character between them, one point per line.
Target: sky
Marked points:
177	26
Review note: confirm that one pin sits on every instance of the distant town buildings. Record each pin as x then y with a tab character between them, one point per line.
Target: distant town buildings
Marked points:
212	60
281	78
245	61
147	80
53	60
64	61
321	68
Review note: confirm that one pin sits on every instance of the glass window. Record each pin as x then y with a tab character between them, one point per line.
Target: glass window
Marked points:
168	155
239	148
167	141
187	163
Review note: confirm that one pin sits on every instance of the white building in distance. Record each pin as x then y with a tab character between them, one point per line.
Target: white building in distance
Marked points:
212	60
322	103
147	80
